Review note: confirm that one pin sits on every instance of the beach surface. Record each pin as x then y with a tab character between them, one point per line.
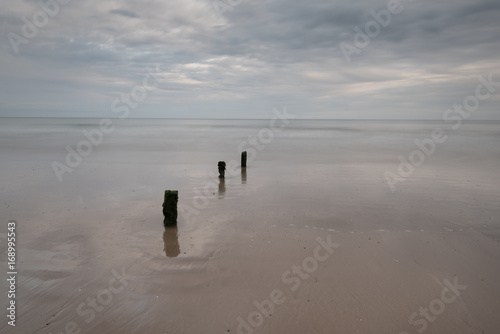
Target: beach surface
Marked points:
312	237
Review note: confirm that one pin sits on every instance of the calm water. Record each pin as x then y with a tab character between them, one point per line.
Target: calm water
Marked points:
322	160
149	155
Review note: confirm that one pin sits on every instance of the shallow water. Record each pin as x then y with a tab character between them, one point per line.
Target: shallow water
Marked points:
141	158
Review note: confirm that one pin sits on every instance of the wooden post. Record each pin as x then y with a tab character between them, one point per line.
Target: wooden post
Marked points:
244	159
170	207
222	168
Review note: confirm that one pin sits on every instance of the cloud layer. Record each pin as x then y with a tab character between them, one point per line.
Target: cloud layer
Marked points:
239	59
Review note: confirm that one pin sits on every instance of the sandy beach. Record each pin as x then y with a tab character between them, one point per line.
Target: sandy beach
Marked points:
309	238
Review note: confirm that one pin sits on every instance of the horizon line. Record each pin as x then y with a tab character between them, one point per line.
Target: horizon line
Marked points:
247	119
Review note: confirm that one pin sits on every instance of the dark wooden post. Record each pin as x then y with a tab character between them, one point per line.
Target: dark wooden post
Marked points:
170	207
222	168
244	159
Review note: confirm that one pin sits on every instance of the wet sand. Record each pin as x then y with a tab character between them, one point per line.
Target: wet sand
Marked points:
94	256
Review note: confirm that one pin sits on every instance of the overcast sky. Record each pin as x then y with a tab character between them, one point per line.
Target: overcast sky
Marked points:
241	59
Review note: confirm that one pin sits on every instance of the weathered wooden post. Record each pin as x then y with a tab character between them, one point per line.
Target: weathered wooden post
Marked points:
244	159
222	168
170	207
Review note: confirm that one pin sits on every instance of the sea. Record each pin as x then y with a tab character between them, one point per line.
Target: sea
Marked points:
67	162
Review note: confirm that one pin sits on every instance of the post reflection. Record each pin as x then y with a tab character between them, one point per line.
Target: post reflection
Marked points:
243	175
171	241
222	187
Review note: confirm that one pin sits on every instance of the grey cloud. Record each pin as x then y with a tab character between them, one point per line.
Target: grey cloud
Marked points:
265	52
124	12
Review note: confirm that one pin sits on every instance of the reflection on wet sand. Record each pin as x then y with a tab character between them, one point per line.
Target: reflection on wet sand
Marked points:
222	187
171	242
243	175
